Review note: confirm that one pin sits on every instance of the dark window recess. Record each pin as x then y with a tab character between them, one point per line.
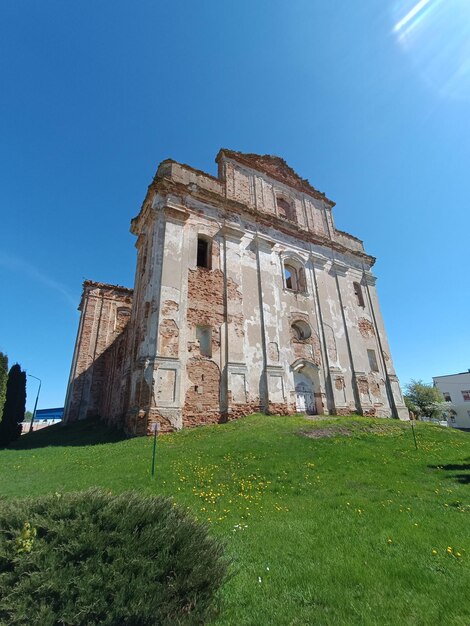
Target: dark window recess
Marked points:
290	276
295	278
358	294
204	336
372	361
285	209
301	330
203	253
446	395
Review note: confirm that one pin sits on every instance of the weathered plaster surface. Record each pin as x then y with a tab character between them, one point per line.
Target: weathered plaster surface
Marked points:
196	345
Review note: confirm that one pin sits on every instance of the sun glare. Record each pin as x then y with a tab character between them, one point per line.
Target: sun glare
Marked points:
436	36
411	14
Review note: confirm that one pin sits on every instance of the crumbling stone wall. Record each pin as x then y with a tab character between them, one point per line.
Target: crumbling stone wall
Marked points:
257	211
114	397
366	328
339	383
206	307
308	349
97	366
169	334
202	402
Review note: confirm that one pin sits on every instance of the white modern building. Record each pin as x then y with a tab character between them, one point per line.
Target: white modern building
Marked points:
456	389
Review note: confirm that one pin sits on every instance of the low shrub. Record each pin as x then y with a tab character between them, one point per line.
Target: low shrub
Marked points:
93	558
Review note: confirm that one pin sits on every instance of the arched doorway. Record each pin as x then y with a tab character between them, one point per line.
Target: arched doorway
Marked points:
307	387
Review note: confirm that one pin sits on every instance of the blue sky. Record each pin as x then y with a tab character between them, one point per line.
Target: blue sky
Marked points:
368	100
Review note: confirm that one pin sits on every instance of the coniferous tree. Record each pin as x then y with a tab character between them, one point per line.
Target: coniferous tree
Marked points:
14	407
3	380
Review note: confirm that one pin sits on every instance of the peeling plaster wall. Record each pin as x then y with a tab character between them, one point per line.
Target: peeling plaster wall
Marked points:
210	344
258	191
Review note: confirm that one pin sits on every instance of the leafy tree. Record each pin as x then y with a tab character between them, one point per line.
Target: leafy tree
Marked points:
27	416
3	379
14	407
425	400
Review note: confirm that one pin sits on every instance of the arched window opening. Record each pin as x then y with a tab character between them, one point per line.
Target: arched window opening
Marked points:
294	276
301	330
290	275
203	253
123	315
285	209
358	294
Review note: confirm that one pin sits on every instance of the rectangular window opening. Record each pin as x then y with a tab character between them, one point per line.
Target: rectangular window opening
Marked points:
358	294
203	253
204	336
372	360
466	395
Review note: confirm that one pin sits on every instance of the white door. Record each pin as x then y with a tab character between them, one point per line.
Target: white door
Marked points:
304	398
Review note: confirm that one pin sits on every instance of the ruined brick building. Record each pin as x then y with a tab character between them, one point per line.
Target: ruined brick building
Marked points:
246	298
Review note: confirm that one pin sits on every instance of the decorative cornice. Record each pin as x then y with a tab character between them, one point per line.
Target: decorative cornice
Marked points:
105	291
164	186
232	231
237	368
263	242
175	214
318	260
369	278
339	268
294	256
91	284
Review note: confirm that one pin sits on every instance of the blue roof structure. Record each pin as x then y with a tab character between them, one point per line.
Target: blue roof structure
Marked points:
49	414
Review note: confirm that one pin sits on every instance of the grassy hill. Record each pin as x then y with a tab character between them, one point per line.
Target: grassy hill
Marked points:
337	521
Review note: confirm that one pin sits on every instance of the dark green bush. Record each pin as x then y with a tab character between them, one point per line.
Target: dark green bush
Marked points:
93	558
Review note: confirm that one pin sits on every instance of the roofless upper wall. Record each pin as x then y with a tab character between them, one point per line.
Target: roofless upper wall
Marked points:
266	185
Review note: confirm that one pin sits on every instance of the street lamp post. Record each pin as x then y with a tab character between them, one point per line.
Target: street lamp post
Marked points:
36	402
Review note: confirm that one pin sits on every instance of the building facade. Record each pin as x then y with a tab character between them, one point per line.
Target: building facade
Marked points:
456	389
246	298
42	419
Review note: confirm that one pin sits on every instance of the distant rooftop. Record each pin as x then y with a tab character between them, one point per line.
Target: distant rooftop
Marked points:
457	374
49	414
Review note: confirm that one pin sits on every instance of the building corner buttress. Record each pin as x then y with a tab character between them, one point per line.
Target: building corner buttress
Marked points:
95	386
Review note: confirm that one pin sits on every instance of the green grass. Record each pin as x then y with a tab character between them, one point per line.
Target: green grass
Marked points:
337	530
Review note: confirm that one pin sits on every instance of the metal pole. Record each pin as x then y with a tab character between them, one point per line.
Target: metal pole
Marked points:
36	402
155	430
414	436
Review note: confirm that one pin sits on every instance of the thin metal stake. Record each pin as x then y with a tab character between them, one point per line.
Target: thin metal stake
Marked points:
414	435
155	430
